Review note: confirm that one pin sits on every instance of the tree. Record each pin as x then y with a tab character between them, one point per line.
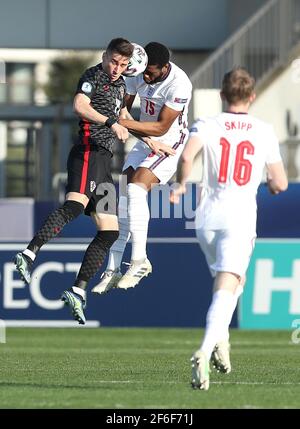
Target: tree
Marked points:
63	77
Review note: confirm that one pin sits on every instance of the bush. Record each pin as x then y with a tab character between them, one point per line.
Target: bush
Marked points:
63	77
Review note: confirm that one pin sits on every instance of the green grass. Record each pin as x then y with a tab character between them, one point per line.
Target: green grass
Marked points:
143	368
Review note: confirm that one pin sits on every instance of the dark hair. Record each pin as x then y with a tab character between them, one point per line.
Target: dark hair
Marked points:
158	54
121	46
238	85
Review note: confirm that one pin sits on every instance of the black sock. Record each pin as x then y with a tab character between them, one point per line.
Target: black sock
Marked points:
94	256
55	223
82	284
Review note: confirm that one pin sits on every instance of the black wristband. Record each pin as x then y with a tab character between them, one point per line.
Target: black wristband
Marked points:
109	122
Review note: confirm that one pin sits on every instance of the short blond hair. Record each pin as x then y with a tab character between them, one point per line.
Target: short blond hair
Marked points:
238	85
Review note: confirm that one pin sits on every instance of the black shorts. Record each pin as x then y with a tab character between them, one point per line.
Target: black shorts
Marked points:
89	173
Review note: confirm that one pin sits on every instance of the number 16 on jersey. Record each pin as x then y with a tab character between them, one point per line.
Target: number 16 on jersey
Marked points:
242	166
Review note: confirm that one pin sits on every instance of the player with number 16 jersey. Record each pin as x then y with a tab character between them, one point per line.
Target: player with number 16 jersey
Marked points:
236	147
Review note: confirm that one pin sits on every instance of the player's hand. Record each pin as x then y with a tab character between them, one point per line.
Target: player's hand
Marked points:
270	187
120	131
176	193
160	148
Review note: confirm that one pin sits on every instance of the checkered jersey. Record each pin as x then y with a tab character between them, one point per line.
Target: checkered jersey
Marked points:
107	98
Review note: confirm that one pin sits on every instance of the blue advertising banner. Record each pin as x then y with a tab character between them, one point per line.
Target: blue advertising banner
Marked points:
177	293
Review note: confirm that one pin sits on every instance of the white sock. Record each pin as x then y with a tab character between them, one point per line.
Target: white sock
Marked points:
138	217
30	254
80	292
217	320
236	296
238	292
117	249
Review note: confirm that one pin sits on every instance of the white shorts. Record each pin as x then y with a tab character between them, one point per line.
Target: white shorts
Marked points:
162	166
227	250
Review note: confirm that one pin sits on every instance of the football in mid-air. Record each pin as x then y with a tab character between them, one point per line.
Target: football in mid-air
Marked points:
137	63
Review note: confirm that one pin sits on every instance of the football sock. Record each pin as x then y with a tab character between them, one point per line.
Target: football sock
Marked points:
217	320
29	255
94	257
79	291
238	292
54	224
117	249
236	296
138	218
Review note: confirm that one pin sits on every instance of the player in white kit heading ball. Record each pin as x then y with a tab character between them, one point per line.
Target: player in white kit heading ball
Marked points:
165	91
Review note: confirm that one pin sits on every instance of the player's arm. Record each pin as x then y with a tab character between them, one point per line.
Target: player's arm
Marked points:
82	107
276	178
157	147
129	99
191	150
156	129
185	165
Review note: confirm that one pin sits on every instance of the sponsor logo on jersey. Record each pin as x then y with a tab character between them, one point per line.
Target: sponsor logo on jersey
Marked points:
86	87
180	100
106	87
92	185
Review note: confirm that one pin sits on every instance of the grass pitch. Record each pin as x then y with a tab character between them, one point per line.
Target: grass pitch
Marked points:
143	368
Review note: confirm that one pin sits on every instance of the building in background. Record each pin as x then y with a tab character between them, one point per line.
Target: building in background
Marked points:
47	30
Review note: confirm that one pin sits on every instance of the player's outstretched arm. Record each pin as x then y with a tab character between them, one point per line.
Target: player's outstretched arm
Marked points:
276	178
157	147
156	129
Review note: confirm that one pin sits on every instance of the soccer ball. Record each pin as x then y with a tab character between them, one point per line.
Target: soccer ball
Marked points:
137	63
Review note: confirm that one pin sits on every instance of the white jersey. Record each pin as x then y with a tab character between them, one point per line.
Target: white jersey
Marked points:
236	148
174	91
